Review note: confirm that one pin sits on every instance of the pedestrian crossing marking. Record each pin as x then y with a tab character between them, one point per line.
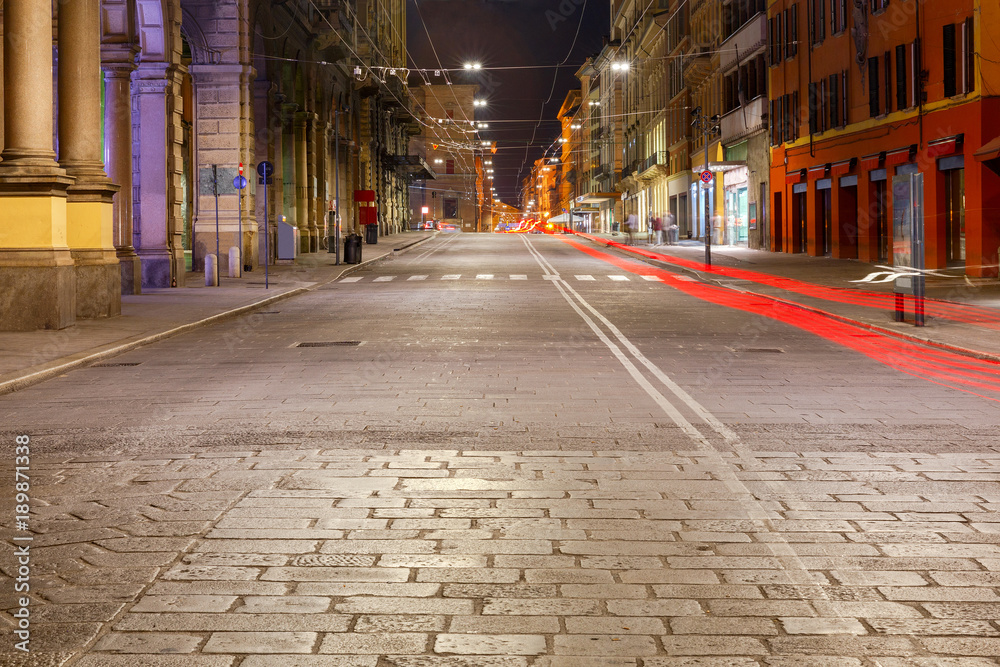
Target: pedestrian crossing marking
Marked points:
352	279
652	278
417	278
618	278
585	278
384	279
451	276
518	276
484	276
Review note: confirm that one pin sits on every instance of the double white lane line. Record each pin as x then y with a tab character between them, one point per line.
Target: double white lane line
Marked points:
623	345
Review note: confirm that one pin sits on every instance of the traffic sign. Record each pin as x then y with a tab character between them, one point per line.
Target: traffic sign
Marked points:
265	169
265	181
706	177
240	182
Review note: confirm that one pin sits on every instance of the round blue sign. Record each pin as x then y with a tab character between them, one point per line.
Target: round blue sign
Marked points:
265	168
239	182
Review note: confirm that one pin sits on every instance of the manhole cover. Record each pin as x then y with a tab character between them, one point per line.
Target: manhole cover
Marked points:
333	560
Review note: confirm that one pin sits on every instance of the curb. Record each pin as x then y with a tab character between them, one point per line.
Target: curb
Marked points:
51	369
976	354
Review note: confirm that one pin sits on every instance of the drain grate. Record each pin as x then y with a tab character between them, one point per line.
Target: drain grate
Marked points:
117	364
331	343
765	350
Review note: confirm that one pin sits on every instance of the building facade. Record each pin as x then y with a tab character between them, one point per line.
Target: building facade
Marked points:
864	95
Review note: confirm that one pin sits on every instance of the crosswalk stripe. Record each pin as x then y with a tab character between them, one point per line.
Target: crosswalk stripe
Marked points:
352	279
451	276
484	276
518	276
417	278
619	278
585	277
653	278
384	279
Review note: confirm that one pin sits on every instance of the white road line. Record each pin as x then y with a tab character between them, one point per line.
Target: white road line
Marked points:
585	277
518	276
351	279
451	276
657	279
484	276
384	279
619	278
417	278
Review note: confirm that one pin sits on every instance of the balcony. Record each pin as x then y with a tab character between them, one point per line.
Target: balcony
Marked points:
745	120
746	41
697	67
655	165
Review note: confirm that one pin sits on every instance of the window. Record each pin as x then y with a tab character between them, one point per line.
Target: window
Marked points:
959	63
873	87
902	101
887	64
844	106
948	49
838	16
833	91
449	166
879	5
792	31
817	22
968	57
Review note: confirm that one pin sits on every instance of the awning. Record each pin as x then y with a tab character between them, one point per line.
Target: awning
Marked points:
989	154
945	146
871	162
598	197
795	176
563	218
841	168
900	156
818	172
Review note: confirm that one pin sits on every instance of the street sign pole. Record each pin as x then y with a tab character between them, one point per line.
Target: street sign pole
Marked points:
264	170
336	186
215	189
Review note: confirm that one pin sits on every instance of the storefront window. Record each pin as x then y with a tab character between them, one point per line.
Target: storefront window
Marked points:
954	189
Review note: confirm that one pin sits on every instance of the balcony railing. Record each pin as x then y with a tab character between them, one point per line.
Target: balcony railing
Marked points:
745	42
745	120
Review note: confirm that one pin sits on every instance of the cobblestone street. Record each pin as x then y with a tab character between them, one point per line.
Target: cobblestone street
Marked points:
547	471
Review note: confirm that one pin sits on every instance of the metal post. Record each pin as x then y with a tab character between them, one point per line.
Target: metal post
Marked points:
267	235
215	188
336	186
708	218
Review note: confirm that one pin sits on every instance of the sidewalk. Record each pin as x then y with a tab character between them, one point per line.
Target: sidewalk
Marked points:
33	356
963	314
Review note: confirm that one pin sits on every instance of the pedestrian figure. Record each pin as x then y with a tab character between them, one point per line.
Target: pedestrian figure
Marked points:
631	222
649	231
671	228
658	230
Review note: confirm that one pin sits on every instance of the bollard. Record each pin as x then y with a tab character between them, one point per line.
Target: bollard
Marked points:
211	271
235	263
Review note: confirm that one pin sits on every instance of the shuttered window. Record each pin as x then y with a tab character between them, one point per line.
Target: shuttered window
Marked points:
873	87
948	52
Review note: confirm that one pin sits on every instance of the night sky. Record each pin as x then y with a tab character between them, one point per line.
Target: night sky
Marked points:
510	33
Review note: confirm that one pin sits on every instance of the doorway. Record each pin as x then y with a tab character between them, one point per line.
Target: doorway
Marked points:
824	219
799	217
881	219
954	215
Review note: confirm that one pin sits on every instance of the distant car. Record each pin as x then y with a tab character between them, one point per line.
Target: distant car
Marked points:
429	224
448	227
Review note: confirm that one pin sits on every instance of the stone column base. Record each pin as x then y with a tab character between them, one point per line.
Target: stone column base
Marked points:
305	244
131	273
313	240
98	284
39	290
156	269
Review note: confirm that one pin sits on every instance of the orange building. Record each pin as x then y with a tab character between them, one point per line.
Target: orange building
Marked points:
862	91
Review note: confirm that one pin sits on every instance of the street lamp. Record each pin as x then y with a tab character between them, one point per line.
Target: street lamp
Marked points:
708	126
478	103
472	66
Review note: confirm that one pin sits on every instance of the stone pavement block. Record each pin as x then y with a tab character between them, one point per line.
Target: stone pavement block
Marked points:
505	625
84	594
376	589
308	661
732	625
541	607
261	642
479	644
454	661
183	603
431	561
700	662
385	605
605	645
499	591
189	622
932	626
838	609
259	546
664	576
217	588
940	594
273	533
582	661
761	608
344	574
700	592
148	642
823	626
210	572
844	645
400	623
989	579
603	591
107	660
473	575
654	608
75	613
291	604
539	547
376	547
934	662
860	578
635	625
568	576
713	646
374	644
964	610
235	559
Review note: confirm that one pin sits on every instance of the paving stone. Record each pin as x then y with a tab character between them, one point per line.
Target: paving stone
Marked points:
700	662
148	642
214	622
542	607
823	626
344	574
261	642
454	661
108	660
374	644
377	589
401	623
291	604
713	646
506	625
184	603
387	605
931	626
499	591
308	661
520	644
733	625
654	608
605	645
635	625
473	575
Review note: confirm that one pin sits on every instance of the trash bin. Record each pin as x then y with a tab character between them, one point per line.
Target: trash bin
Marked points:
371	234
352	249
